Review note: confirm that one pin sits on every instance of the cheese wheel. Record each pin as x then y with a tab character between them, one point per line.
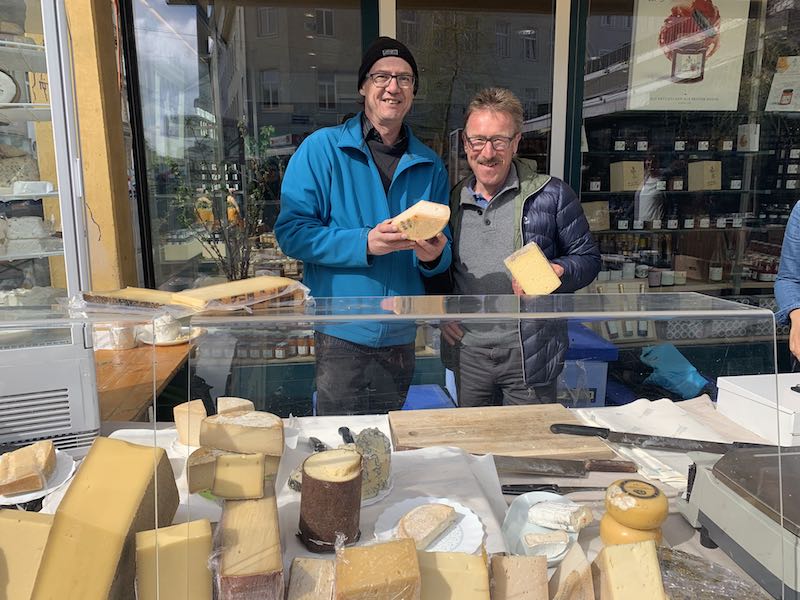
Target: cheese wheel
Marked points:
637	504
613	533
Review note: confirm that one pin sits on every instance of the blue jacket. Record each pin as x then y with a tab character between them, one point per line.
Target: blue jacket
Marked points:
332	195
787	283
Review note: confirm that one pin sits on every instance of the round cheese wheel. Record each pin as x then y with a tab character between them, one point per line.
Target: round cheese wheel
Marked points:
637	504
613	533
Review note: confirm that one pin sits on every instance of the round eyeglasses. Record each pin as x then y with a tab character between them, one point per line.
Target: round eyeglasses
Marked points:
382	80
499	142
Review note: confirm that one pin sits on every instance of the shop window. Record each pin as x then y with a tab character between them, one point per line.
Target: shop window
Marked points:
607	21
326	89
324	21
270	88
530	49
503	40
530	102
267	22
408	29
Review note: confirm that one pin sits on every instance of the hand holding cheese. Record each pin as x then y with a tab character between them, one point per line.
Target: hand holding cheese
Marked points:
532	271
422	221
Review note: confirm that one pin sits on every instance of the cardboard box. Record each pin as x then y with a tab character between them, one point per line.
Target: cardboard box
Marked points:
705	175
597	215
627	175
696	268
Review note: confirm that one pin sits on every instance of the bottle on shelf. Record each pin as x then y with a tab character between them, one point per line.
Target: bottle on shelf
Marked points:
715	266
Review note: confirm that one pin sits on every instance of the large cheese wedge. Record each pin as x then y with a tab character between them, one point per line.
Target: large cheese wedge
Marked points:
630	572
519	577
453	576
255	289
188	419
133	296
248	432
573	577
23	536
228	474
27	469
532	270
423	220
229	404
425	523
387	570
637	504
172	562
251	565
311	579
119	489
613	533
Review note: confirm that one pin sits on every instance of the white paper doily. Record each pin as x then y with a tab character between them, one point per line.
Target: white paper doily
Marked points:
465	535
65	467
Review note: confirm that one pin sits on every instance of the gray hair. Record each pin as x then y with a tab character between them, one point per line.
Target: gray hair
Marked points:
497	99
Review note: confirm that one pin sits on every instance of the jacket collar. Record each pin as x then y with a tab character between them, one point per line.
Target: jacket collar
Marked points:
353	137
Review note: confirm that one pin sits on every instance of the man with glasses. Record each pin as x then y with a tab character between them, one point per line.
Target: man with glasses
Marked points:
503	205
341	189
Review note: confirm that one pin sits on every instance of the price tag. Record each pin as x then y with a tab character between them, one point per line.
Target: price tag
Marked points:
672	223
641	145
656	223
705	222
619	145
738	222
702	145
638	224
661	185
680	145
736	184
677	185
791	184
793	168
794	153
688	223
721	222
594	186
622	224
727	144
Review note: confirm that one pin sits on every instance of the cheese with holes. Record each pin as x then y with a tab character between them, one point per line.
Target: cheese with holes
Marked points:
532	270
311	579
387	570
188	420
423	220
229	404
23	536
519	577
27	469
637	504
569	516
572	579
612	533
90	552
425	523
453	576
248	432
630	572
172	562
251	565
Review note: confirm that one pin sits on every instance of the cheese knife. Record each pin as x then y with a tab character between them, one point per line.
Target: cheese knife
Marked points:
515	489
317	445
560	467
347	435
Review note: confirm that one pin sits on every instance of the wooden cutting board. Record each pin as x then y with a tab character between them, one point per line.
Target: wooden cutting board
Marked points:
503	430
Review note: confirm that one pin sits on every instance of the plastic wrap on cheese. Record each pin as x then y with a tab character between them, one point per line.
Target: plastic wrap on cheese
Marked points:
530	267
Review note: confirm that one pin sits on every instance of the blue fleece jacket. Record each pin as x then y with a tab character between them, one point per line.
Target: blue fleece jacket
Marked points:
331	197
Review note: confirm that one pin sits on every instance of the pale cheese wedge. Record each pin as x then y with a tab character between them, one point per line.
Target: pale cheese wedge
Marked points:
311	579
423	220
230	403
248	432
251	290
532	270
27	469
630	572
425	523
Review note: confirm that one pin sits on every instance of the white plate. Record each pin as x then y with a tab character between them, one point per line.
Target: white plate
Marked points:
187	335
465	535
65	467
516	524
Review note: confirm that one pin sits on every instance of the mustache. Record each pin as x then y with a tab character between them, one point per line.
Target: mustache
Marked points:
490	162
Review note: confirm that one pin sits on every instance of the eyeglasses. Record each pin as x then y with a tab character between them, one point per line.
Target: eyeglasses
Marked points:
382	80
499	142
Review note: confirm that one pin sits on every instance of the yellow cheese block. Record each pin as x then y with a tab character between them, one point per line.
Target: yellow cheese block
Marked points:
133	296
613	533
230	475
233	292
423	220
387	570
248	432
27	469
519	577
453	576
91	552
573	577
172	562
23	536
229	404
188	418
530	267
311	579
637	504
341	464
630	572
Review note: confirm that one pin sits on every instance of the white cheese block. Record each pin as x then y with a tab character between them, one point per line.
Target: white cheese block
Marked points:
27	469
248	432
573	577
423	220
548	544
568	516
23	535
532	270
229	404
311	579
519	577
188	421
630	572
453	576
425	523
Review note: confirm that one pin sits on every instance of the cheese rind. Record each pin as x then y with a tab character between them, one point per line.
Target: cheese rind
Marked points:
532	270
229	404
311	579
387	570
425	523
453	576
250	290
23	536
188	421
612	533
630	572
637	504
423	220
246	432
27	469
519	577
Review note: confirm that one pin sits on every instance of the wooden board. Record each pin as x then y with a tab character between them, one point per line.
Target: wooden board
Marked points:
503	430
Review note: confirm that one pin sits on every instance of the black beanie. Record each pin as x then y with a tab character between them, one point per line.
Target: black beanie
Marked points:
382	48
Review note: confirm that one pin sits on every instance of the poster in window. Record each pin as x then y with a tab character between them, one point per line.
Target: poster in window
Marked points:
687	54
784	93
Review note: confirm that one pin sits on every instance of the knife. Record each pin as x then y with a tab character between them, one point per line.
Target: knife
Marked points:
347	435
560	467
317	444
515	489
657	442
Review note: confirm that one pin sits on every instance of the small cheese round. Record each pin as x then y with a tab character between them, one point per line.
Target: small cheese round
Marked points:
613	533
637	504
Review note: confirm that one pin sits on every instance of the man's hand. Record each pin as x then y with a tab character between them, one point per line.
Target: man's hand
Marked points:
794	333
385	238
559	270
451	332
429	250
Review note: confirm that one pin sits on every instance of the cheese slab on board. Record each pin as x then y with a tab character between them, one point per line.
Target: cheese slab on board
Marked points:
425	523
172	562
453	576
23	536
91	550
311	579
387	570
245	291
27	469
423	220
630	572
247	432
519	577
532	270
188	418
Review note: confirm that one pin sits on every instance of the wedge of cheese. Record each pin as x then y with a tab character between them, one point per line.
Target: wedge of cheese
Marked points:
425	523
630	572
453	576
573	577
387	570
311	579
23	536
27	469
532	270
423	220
519	577
255	289
229	404
230	475
188	419
133	296
248	432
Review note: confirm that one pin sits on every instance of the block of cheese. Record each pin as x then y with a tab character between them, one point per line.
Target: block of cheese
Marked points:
630	572
549	544
425	523
188	420
572	579
519	577
423	220
569	516
255	289
227	474
453	576
637	504
532	270
387	570
23	536
311	579
612	533
228	404
251	565
119	489
245	431
27	469
133	296
376	452
172	562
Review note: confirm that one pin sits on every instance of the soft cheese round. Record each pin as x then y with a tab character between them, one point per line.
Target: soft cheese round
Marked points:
612	533
637	504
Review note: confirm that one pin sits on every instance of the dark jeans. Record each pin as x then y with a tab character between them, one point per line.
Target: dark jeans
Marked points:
493	377
355	380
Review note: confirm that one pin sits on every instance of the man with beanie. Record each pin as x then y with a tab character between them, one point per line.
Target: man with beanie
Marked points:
341	189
